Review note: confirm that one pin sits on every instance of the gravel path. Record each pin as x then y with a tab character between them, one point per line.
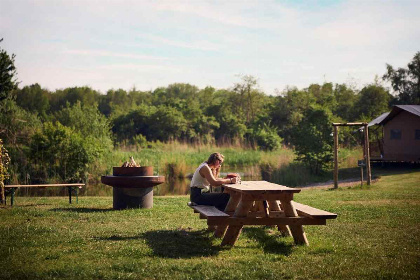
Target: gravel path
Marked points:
330	184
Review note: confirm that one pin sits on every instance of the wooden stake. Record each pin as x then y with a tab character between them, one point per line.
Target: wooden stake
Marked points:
368	175
335	157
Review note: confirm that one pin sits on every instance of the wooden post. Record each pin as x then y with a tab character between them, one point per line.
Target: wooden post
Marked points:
361	176
368	175
335	156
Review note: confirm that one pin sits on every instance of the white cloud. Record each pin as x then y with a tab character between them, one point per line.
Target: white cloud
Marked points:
111	54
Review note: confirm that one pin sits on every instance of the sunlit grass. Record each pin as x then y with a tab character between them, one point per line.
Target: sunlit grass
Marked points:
376	236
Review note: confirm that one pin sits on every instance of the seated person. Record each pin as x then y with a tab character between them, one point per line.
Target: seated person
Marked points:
208	174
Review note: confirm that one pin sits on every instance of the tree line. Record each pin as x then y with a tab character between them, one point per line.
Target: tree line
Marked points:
66	130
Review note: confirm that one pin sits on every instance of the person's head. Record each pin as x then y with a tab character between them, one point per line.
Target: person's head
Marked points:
215	163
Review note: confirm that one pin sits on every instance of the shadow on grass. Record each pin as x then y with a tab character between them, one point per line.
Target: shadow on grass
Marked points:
82	210
181	243
270	243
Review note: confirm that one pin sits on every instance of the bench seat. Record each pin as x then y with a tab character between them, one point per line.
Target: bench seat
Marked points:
209	211
308	211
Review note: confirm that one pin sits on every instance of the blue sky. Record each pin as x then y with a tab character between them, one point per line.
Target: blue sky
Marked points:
148	44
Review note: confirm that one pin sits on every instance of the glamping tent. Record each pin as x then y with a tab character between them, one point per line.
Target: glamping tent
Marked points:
399	132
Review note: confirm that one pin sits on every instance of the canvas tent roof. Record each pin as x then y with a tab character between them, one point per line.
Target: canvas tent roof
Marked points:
385	117
378	119
413	109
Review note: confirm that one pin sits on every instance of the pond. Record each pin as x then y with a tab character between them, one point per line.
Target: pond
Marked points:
176	186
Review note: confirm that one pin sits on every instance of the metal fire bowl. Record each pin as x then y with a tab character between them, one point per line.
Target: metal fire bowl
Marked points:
132	181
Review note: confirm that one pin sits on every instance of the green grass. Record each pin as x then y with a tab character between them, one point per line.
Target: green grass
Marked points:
376	236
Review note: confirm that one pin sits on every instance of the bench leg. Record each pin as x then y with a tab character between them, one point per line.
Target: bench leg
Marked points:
230	207
69	189
297	231
12	196
284	230
233	232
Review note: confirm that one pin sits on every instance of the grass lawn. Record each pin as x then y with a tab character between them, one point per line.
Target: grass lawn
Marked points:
376	236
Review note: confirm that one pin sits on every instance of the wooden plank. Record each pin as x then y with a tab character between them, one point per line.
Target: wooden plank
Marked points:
260	187
237	221
306	210
209	211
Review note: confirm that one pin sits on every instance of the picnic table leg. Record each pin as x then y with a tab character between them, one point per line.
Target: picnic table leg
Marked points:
230	207
284	230
233	232
297	231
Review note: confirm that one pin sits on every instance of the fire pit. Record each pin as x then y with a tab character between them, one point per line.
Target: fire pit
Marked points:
132	186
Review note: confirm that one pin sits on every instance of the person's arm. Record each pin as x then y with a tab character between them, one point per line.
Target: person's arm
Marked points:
206	173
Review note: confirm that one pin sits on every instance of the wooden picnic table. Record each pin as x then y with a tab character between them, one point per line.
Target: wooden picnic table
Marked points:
262	203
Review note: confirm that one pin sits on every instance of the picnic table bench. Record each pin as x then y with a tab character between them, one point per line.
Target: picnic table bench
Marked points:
74	187
261	203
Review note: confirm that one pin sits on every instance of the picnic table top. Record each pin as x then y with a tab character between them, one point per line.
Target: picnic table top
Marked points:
260	187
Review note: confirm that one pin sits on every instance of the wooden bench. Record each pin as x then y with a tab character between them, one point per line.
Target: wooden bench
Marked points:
307	216
308	211
11	189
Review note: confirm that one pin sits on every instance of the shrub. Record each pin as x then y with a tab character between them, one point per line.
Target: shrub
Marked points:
313	140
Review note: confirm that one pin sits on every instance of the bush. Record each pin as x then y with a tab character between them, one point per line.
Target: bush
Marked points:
313	140
60	151
267	138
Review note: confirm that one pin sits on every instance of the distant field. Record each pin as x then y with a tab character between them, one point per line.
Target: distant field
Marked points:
376	236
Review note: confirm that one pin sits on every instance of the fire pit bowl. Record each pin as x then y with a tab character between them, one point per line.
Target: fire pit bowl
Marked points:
132	186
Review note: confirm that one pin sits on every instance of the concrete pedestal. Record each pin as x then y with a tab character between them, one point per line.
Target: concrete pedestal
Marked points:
132	198
132	186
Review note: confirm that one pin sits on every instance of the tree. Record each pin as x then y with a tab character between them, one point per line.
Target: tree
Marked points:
406	81
34	99
250	98
8	81
312	138
91	124
373	100
345	98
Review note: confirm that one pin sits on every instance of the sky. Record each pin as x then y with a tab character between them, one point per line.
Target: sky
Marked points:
148	44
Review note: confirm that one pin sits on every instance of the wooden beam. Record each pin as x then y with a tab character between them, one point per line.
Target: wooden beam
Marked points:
369	177
350	124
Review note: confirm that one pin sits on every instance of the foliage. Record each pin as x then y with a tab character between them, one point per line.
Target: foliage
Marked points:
242	115
312	138
8	72
34	99
406	81
266	137
16	124
373	101
4	163
59	151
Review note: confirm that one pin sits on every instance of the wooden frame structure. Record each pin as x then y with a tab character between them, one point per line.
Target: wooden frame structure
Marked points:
365	149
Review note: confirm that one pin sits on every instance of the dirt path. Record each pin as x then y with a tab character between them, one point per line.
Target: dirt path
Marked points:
330	184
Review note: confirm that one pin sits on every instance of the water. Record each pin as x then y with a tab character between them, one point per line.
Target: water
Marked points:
176	186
